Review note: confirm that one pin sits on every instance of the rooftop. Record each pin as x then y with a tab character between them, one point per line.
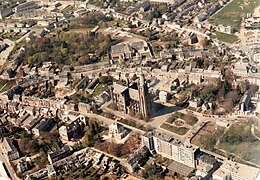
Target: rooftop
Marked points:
119	88
180	168
134	94
9	144
164	137
63	150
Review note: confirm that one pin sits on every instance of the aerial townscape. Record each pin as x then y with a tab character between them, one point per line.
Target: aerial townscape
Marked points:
130	89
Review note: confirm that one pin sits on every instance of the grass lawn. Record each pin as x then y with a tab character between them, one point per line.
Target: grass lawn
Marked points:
99	89
228	38
8	85
257	132
239	140
133	124
208	137
80	30
171	119
96	2
189	119
192	108
177	130
230	15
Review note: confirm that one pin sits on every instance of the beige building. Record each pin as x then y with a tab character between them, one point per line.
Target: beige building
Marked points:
171	148
130	50
240	69
195	103
236	171
9	149
133	99
73	129
117	131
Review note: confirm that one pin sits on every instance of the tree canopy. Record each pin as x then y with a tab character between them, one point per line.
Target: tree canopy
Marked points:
67	48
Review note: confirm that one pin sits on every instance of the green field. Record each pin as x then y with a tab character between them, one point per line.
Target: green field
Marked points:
174	129
189	119
6	85
228	38
231	14
239	140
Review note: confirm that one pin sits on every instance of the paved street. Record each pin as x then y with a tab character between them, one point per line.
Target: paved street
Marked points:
108	121
164	114
11	171
4	54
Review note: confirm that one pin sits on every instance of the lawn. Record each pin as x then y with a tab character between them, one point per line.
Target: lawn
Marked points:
231	14
96	3
171	120
228	38
189	119
6	86
239	140
134	124
208	136
98	90
177	130
257	132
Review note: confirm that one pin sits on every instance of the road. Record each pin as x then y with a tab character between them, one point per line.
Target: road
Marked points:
253	133
108	121
4	159
4	54
169	109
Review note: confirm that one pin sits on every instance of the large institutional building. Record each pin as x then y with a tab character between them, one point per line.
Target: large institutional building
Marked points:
171	148
133	98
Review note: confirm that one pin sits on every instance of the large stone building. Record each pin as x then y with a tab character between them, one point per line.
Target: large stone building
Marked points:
9	149
171	148
25	8
73	129
133	99
117	131
59	154
130	50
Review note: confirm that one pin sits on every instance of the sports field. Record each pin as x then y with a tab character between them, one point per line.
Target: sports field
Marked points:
232	13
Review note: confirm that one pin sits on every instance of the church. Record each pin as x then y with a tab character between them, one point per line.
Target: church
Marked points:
134	98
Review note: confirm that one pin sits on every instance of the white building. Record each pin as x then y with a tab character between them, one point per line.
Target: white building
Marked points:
240	69
163	96
117	131
171	148
235	171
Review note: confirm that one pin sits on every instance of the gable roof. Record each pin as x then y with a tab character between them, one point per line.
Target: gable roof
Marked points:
133	93
118	88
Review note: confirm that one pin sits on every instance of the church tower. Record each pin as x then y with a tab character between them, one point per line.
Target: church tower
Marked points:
144	97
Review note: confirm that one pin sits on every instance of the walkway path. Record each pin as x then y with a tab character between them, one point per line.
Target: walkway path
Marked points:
253	132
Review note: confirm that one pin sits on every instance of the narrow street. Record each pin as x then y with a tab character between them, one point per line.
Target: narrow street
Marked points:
10	169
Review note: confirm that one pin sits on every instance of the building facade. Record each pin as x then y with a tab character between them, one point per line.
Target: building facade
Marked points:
9	149
133	99
117	131
73	129
171	148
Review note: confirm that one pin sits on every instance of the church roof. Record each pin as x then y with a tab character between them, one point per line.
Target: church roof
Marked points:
118	88
133	93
